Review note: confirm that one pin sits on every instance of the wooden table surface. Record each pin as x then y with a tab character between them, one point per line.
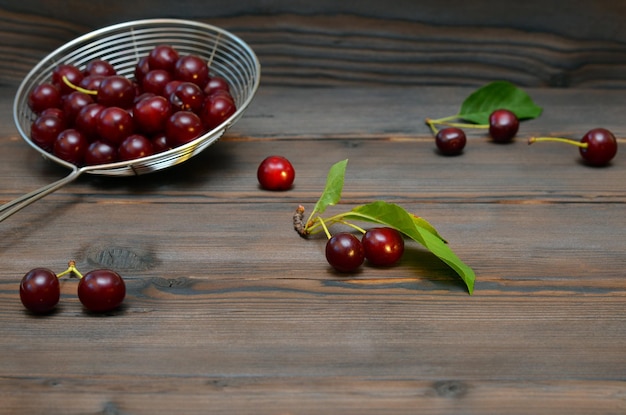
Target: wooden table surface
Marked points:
228	310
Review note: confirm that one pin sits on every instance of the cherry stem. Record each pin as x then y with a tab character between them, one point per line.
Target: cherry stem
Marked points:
325	228
447	122
79	89
558	140
71	269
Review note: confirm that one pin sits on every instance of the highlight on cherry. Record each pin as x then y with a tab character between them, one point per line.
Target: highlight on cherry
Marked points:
382	245
100	290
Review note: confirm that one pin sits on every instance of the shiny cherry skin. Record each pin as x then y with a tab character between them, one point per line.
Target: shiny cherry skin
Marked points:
101	290
344	252
73	103
450	141
100	152
141	69
135	146
40	290
116	91
187	96
87	120
163	57
383	247
155	81
115	124
99	67
192	68
276	173
44	96
71	73
45	130
601	147
216	83
71	146
216	109
503	125
182	127
150	114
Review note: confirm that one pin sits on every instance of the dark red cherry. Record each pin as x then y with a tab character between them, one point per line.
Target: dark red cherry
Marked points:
155	81
450	141
45	130
40	290
163	57
150	114
116	91
71	73
99	67
100	152
44	96
192	68
71	146
344	252
135	146
383	247
101	290
182	127
601	147
114	124
503	125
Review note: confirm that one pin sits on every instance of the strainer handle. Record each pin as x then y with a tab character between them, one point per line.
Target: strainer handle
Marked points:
15	205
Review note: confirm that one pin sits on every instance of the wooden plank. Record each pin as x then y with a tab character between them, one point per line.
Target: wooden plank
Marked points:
405	43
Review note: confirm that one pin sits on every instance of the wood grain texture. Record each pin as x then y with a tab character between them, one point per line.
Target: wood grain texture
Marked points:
230	311
531	43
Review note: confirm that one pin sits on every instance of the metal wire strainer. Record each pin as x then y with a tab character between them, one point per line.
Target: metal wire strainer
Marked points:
122	45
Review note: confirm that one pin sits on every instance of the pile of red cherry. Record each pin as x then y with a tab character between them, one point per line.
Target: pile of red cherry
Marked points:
93	115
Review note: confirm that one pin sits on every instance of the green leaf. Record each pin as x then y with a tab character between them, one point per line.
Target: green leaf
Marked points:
392	215
334	185
498	95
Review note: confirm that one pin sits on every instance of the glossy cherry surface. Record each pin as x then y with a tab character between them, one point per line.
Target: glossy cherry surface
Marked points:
276	173
503	125
40	290
450	141
101	290
383	246
601	147
344	252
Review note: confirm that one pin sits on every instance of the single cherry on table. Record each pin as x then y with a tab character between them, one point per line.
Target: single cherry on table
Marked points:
597	147
276	173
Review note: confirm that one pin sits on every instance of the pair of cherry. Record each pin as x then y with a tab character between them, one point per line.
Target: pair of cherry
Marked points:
100	290
597	147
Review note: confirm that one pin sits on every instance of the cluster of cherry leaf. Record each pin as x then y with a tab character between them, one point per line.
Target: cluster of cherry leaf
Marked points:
379	212
499	106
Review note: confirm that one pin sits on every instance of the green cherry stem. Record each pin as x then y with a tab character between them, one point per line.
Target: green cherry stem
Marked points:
447	121
71	269
325	227
77	88
558	140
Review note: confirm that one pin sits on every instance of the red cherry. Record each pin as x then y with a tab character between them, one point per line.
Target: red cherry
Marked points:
44	96
383	246
276	173
344	252
71	146
182	127
101	290
40	290
150	114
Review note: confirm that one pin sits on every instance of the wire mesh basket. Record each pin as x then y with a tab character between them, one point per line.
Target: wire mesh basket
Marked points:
123	45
